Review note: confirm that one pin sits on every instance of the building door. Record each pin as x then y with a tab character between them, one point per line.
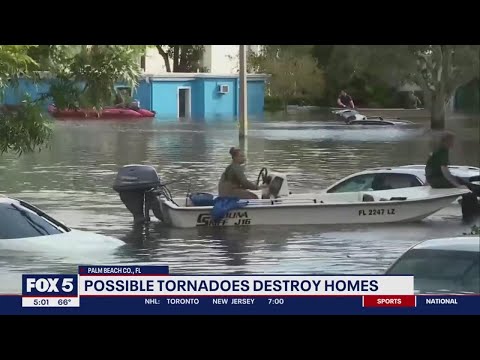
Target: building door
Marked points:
184	102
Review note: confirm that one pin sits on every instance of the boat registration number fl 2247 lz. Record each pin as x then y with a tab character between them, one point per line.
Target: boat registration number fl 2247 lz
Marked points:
376	212
235	218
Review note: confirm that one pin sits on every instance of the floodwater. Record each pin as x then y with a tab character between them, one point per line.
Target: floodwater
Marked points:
72	181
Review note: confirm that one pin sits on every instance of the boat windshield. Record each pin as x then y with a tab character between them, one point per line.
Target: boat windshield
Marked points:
17	220
440	270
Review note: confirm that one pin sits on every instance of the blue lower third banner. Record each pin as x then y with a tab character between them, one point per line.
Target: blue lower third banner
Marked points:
261	305
151	290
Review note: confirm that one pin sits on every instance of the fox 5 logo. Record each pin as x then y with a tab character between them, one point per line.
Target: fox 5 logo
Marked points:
50	285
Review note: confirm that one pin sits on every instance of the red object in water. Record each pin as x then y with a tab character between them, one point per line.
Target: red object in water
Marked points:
107	113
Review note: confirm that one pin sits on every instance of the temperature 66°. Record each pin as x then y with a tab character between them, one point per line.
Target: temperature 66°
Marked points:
276	301
64	301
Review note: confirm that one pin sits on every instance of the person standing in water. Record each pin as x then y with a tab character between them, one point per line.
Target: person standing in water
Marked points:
233	181
414	101
437	172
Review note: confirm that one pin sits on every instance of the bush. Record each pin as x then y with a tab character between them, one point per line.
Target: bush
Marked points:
475	230
273	103
26	127
369	92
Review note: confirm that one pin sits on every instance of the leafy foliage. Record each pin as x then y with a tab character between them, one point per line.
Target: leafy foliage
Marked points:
185	58
438	69
14	64
65	93
475	230
99	67
24	128
293	72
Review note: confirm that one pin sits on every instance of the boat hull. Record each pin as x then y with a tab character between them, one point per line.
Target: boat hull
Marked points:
308	212
107	113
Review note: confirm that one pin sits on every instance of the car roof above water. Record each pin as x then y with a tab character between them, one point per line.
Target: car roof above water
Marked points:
469	243
5	199
466	171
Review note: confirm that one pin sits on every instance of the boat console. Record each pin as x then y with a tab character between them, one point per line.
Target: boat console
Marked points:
277	186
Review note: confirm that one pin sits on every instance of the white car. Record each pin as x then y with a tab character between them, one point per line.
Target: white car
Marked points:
444	265
397	177
27	224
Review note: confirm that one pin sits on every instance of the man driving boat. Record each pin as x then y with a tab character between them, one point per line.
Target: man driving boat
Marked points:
233	182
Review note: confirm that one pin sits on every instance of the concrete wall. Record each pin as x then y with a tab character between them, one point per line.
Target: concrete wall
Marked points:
14	95
256	98
216	104
144	94
165	97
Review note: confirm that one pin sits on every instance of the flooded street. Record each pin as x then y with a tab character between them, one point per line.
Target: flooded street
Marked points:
72	181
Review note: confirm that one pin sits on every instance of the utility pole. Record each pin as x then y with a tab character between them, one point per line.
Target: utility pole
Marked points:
243	93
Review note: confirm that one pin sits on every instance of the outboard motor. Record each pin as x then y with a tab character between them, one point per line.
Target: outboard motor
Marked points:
138	187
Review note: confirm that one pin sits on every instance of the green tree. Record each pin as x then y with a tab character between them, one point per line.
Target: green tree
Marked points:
322	54
291	75
23	128
438	69
185	58
99	68
441	70
26	127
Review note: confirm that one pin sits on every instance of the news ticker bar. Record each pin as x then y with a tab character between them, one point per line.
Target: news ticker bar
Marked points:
367	301
231	305
153	290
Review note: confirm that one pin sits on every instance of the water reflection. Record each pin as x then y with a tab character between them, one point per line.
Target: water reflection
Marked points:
73	182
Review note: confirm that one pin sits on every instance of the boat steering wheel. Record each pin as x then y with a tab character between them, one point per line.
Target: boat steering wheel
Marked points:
262	175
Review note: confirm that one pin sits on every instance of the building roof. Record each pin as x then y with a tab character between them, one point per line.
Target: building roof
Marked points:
192	76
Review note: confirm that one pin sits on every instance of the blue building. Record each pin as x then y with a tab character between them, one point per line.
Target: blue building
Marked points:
179	95
199	95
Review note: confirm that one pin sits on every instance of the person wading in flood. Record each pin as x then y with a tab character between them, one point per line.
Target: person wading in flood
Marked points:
436	171
439	177
233	182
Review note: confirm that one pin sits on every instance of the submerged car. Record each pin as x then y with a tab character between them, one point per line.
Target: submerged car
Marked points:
397	177
443	265
20	220
353	117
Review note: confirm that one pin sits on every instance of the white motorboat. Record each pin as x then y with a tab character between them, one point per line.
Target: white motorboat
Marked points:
141	191
348	208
